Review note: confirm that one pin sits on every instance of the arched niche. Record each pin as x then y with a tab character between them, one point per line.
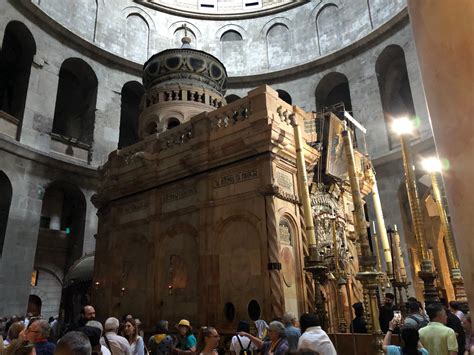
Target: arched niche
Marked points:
16	56
329	28
282	94
132	93
394	87
172	123
63	214
231	48
278	41
5	203
231	98
333	89
74	115
137	38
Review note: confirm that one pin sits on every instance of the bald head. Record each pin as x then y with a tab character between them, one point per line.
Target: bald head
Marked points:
88	313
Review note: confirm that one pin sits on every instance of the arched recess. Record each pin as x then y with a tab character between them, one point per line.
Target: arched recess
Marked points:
331	90
394	87
137	38
287	237
16	56
132	93
231	43
172	123
62	220
60	240
329	28
182	28
74	115
6	192
231	36
231	98
48	289
282	94
278	42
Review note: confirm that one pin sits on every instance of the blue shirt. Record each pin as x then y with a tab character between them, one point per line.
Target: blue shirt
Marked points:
292	335
44	348
187	343
395	350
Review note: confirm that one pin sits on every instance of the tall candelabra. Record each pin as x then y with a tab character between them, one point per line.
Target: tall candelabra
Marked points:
433	166
404	127
367	274
313	262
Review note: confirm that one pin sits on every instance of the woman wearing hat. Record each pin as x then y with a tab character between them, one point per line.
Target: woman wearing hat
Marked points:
277	343
186	340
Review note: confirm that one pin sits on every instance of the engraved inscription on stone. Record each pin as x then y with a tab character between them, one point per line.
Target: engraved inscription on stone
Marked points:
284	230
235	178
284	180
178	195
133	207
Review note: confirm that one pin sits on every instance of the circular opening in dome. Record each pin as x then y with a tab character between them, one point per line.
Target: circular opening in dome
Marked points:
153	68
197	64
254	310
229	311
173	62
216	72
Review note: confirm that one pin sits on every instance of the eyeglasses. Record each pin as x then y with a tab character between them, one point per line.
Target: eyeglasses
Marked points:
28	330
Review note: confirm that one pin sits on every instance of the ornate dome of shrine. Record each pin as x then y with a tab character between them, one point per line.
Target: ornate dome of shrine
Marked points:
186	66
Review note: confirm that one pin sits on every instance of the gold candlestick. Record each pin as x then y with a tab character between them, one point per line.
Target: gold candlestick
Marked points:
404	126
367	274
433	166
382	230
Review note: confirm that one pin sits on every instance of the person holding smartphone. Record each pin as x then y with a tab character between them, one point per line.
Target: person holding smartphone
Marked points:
410	339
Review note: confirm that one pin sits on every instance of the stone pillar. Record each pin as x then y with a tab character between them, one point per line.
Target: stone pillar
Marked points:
443	36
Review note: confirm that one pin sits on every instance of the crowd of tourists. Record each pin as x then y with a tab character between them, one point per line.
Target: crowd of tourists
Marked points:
87	336
434	330
438	329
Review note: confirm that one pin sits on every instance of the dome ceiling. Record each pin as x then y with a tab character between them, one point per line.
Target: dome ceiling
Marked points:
205	8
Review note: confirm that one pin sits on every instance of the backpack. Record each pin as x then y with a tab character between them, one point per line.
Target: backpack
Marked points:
420	323
243	351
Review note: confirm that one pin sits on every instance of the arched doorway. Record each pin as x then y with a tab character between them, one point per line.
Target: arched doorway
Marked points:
60	241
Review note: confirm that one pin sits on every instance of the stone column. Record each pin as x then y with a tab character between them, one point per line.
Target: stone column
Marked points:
443	36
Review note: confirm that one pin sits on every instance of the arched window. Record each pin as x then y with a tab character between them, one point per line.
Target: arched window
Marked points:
63	214
5	202
333	89
231	98
394	87
16	56
132	93
137	34
329	27
278	45
231	35
172	123
74	115
282	94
